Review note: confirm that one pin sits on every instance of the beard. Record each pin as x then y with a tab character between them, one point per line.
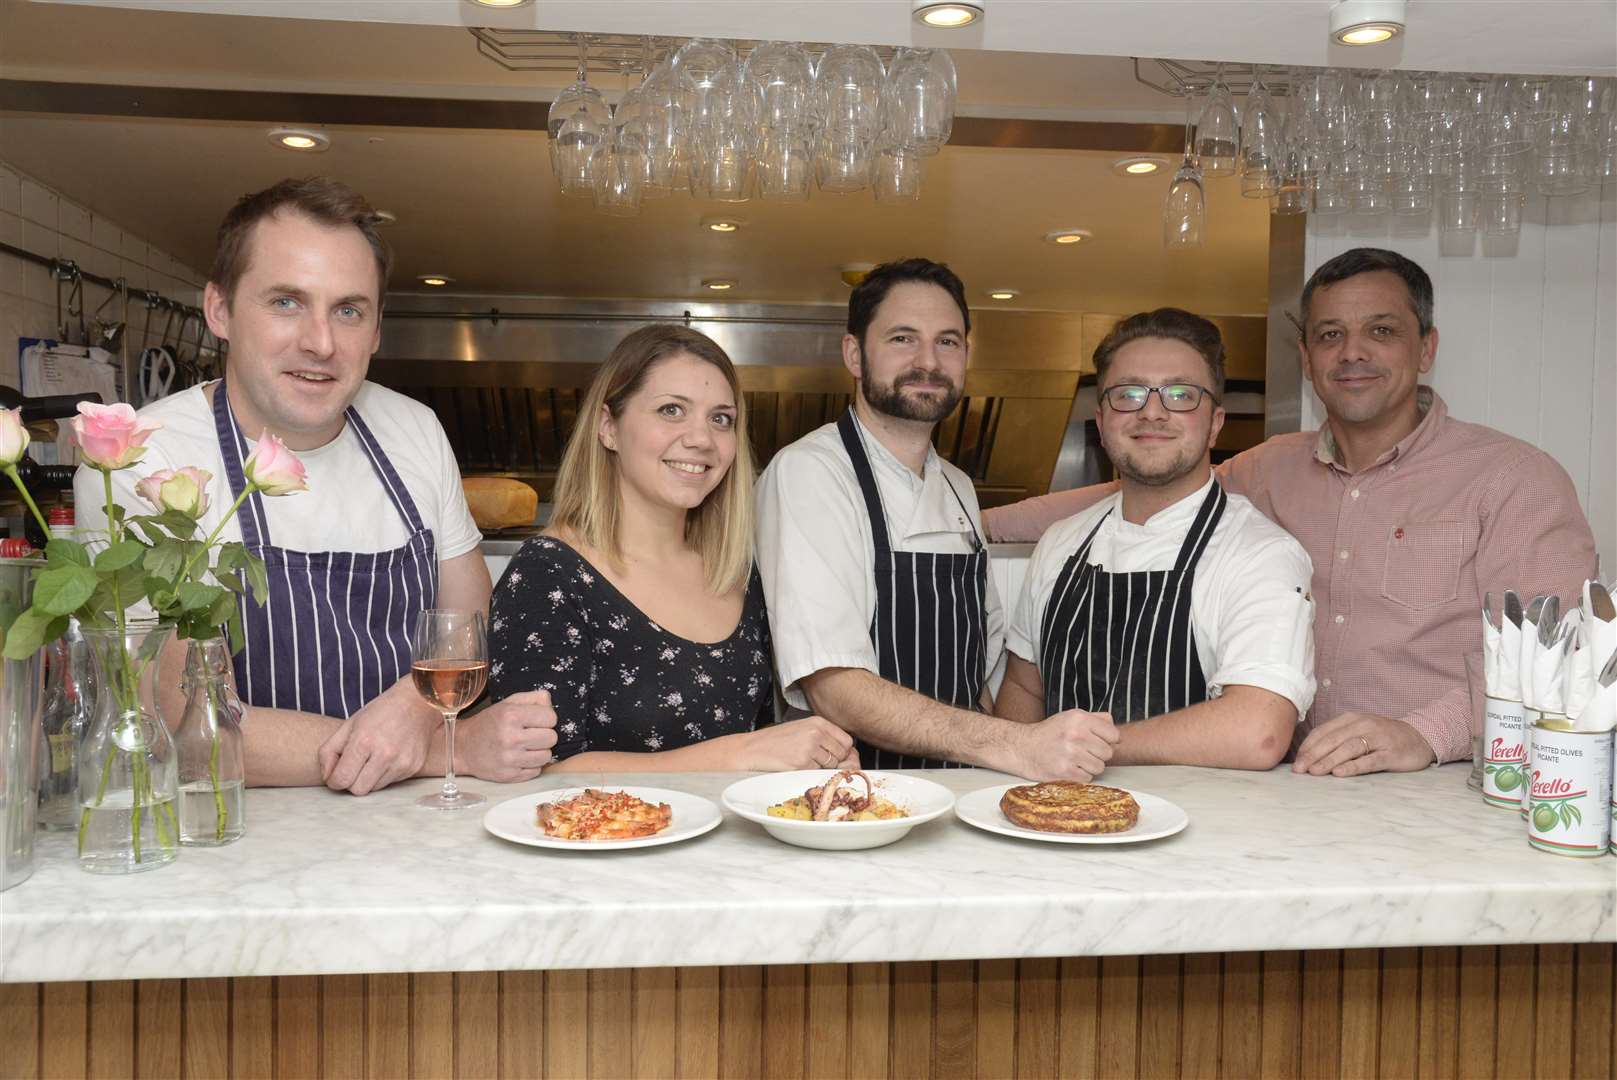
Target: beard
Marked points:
1155	470
889	399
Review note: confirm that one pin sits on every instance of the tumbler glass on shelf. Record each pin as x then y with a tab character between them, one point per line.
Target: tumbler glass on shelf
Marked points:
1457	210
1563	163
842	162
1217	130
722	163
785	165
1501	211
212	765
918	100
450	669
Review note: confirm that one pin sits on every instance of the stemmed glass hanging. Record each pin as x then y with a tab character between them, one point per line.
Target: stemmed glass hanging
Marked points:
849	82
1260	142
782	80
579	120
1218	130
1184	213
918	101
720	110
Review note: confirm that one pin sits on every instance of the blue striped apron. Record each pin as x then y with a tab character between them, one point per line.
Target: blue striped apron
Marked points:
1124	643
335	629
929	626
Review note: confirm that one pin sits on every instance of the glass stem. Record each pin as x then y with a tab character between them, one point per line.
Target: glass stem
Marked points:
450	790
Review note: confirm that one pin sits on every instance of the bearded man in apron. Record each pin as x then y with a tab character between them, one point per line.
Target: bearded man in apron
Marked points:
1172	606
882	612
382	533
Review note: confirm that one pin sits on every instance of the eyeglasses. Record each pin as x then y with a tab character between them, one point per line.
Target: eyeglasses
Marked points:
1175	397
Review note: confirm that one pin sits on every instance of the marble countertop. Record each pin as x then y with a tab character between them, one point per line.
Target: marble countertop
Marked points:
327	883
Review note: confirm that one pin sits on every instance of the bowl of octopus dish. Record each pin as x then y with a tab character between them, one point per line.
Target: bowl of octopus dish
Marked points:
837	811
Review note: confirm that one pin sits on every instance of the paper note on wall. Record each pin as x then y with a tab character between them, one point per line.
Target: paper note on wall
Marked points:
46	369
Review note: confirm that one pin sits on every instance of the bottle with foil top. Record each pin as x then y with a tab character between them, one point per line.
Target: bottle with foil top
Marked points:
65	715
212	765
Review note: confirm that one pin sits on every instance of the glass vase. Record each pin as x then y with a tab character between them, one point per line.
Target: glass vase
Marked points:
128	775
208	741
65	718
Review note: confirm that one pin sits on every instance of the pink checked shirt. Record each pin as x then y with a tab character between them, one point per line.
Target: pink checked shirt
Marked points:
1402	552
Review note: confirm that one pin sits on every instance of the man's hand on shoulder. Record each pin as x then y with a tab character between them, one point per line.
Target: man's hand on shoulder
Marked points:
1357	743
385	742
510	741
1071	745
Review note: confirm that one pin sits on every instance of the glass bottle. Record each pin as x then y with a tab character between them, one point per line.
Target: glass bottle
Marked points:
65	715
212	766
127	775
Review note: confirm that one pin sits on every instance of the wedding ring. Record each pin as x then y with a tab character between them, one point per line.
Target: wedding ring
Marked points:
1366	743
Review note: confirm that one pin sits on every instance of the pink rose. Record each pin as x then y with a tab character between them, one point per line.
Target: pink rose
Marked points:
13	437
111	436
184	489
273	469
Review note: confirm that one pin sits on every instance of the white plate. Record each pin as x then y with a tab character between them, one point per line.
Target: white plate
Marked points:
517	819
1158	818
752	798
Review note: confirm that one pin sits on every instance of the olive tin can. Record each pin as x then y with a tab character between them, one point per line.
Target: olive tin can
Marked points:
1504	753
1568	805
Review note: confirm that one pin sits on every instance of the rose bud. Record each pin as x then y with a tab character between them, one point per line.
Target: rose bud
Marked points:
273	469
111	436
13	437
184	489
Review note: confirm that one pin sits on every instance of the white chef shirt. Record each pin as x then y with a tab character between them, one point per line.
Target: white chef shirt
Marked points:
345	509
1250	607
817	557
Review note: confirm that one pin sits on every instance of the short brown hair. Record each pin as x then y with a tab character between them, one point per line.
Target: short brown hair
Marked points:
586	496
1173	324
327	201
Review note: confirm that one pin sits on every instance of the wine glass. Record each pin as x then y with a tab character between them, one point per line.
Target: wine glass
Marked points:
1184	214
450	667
1218	130
579	119
1260	142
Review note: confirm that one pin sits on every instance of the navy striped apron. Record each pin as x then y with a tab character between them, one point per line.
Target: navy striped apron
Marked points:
335	629
1123	643
929	627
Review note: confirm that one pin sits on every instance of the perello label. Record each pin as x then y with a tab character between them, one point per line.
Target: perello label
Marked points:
1504	750
1568	791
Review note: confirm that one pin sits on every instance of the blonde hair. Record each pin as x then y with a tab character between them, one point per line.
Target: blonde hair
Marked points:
587	500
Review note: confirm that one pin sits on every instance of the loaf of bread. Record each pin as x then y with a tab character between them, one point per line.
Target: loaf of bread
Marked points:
498	503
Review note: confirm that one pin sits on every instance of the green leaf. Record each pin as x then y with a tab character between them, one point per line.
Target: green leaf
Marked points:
197	597
164	560
61	590
232	555
149	530
222	609
181	525
115	513
27	634
258	578
1576	814
60	552
231	580
120	555
233	628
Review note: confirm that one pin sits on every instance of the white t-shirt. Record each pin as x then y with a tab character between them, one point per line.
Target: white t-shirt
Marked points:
817	558
345	509
1250	606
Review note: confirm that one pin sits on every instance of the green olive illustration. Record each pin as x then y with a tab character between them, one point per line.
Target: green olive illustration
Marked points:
1508	779
1545	818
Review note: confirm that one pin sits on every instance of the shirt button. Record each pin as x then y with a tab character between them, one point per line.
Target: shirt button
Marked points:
1342	554
1355	493
1340	620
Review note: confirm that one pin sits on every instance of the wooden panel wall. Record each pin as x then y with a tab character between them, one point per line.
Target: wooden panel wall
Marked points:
1508	1012
1528	333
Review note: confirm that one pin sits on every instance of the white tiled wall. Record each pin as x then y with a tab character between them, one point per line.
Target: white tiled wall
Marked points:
37	219
1528	335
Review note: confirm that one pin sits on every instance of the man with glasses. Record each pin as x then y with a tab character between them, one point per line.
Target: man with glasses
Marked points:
1176	608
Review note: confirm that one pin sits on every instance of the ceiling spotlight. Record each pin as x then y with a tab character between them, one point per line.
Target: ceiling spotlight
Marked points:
1001	294
1366	22
501	3
721	225
305	142
434	280
947	14
718	284
1138	166
853	273
1068	236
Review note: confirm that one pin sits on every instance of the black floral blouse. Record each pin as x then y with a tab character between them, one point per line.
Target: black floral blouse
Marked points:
619	681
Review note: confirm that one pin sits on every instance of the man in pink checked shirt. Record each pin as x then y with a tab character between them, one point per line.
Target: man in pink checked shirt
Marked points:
1408	514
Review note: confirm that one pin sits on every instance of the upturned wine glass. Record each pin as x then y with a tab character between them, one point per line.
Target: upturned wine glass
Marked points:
449	665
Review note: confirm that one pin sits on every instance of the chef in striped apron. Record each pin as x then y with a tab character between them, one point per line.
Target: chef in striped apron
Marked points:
883	614
382	532
1173	607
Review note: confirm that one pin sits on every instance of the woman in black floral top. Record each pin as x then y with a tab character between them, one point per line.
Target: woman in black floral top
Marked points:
639	610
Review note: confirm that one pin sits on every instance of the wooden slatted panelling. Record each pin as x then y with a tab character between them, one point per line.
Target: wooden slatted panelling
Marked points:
1509	1012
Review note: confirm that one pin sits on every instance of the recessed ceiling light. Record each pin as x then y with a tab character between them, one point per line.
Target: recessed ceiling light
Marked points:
1068	236
718	284
435	280
1366	22
853	273
501	3
1002	294
1138	166
946	14
721	225
299	139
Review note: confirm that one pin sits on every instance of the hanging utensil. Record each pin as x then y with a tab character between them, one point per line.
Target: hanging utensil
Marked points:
109	335
66	271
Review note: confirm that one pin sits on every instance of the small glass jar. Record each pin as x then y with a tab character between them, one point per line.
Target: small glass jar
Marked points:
213	802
